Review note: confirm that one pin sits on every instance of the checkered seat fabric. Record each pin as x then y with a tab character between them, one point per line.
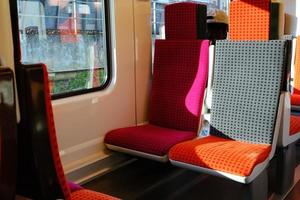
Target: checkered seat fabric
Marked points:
179	81
248	81
185	21
295	98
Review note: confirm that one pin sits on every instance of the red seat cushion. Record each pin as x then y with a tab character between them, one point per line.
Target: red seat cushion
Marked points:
295	99
294	125
220	154
149	139
90	195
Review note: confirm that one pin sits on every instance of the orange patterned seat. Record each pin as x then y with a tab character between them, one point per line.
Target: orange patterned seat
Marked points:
295	98
294	125
90	195
230	156
249	20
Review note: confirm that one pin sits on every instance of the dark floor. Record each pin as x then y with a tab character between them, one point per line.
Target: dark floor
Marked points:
145	179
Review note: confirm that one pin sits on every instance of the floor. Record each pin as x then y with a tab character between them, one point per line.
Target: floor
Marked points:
145	179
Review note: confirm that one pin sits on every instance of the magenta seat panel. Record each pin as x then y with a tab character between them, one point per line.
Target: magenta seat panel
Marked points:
74	187
179	81
148	138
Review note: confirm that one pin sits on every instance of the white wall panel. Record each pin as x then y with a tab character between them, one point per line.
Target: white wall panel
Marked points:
82	121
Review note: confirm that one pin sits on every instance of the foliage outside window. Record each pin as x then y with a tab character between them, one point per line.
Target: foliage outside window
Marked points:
69	36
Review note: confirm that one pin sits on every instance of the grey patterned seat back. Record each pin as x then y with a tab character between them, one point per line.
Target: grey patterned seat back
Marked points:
248	81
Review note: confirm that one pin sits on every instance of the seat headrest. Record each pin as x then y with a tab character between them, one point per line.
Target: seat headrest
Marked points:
185	21
249	20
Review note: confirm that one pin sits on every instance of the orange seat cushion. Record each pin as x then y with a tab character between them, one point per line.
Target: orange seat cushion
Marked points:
234	157
90	195
294	125
249	20
297	68
295	99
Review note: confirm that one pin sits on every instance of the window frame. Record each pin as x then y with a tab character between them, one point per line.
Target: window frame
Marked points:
18	57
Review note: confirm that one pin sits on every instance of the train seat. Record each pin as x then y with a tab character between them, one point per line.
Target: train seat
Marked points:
179	80
256	20
245	119
78	192
8	135
290	126
295	125
223	155
295	98
244	14
137	138
190	17
47	166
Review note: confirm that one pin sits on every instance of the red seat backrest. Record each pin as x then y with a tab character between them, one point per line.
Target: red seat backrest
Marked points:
186	21
179	81
53	140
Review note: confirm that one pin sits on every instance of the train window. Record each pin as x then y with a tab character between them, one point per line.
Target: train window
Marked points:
71	38
158	13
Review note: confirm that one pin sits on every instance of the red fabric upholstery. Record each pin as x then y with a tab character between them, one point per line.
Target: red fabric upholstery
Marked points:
185	21
295	99
179	81
90	195
148	138
294	125
220	154
77	192
52	136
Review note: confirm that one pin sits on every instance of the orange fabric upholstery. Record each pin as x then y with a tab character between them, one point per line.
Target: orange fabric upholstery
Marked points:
90	195
220	154
80	194
297	70
249	20
294	125
295	99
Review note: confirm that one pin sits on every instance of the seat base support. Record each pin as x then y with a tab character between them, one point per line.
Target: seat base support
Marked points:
285	169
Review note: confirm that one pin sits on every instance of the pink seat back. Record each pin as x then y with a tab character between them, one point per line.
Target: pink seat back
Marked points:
179	81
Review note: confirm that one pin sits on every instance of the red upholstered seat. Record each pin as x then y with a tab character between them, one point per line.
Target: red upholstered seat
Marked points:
295	99
234	157
70	191
149	139
179	80
185	20
90	195
294	125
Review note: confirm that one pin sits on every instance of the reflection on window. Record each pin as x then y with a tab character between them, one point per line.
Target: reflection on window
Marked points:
69	36
158	6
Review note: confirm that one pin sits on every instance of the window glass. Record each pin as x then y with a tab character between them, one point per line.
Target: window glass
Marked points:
158	13
69	36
